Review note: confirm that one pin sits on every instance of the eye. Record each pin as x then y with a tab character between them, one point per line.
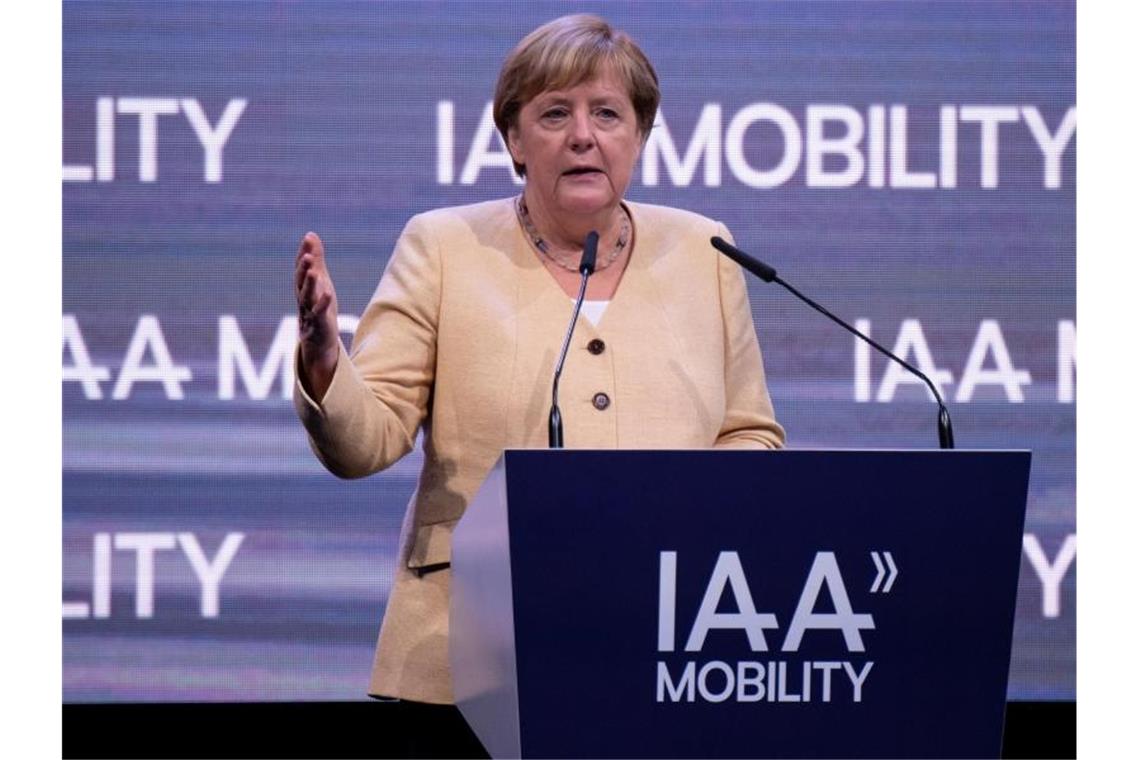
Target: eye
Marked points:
554	113
607	114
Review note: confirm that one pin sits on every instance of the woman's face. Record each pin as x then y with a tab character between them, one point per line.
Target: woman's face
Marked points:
579	146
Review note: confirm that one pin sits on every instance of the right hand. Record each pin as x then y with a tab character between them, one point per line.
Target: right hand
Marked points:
316	310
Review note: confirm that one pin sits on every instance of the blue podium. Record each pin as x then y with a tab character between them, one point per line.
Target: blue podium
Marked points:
738	603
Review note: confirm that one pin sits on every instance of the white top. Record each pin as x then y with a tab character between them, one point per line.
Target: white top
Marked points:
593	310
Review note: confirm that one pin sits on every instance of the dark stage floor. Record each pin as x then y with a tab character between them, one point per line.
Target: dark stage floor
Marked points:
385	729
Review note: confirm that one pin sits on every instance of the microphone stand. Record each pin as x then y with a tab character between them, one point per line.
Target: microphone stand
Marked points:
586	268
768	274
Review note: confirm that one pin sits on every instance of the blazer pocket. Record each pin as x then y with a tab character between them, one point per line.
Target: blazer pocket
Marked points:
432	547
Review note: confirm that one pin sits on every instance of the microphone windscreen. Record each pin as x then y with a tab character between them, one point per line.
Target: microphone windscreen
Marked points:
589	254
753	265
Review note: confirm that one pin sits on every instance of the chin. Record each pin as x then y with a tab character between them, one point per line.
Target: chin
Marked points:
586	204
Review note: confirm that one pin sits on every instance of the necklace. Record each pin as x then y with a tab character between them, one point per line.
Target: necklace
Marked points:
544	248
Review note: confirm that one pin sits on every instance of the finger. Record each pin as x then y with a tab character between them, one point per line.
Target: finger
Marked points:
307	295
319	300
303	248
304	266
310	242
316	247
316	296
322	304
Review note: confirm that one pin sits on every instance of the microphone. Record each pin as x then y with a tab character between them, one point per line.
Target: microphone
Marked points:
586	268
768	274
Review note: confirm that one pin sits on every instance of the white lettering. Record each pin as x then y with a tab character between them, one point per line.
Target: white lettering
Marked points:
105	139
1066	360
482	155
685	686
734	145
667	601
846	145
148	111
990	118
729	572
101	575
857	681
825	570
702	681
101	588
744	680
876	145
213	139
104	147
948	147
704	142
233	354
76	173
990	341
1052	145
784	695
825	668
144	546
210	573
911	337
900	175
1050	573
862	361
445	142
148	335
75	610
81	369
827	137
347	323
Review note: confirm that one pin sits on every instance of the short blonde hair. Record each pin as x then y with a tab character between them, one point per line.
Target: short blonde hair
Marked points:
564	53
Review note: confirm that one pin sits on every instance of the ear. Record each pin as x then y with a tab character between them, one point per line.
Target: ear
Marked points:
514	145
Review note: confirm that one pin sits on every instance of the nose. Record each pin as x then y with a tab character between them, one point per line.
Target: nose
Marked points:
581	132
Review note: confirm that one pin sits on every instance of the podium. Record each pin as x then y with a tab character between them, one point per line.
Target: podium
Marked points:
738	603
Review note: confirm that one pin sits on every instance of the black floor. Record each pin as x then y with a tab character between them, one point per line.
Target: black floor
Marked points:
385	729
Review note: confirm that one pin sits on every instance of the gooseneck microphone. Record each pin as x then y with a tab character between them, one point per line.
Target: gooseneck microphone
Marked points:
768	274
586	268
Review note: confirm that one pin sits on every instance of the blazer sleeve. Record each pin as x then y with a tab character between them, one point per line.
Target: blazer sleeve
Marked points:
749	420
380	391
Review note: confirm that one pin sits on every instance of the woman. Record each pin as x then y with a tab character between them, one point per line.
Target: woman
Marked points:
461	334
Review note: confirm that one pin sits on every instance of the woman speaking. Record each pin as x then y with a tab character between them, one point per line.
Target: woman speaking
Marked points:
462	334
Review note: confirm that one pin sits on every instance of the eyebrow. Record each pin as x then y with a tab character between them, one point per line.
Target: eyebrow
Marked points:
559	98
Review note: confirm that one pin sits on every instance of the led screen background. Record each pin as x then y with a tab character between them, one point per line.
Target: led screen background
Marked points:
207	556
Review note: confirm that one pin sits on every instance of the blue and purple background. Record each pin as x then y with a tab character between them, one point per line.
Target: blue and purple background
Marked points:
344	117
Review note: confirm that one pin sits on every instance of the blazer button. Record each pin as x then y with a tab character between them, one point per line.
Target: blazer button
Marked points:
601	401
596	346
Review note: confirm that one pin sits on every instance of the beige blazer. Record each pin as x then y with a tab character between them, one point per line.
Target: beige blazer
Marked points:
461	337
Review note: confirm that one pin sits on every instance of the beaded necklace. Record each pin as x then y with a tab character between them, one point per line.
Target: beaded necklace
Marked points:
541	245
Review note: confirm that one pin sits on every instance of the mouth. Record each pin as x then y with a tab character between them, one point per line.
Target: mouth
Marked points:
580	171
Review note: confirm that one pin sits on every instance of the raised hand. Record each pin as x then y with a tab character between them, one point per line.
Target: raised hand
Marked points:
316	311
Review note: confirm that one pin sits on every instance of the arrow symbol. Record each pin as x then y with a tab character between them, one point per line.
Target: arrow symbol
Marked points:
880	574
890	572
894	572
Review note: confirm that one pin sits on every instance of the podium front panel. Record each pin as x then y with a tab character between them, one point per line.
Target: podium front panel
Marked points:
759	604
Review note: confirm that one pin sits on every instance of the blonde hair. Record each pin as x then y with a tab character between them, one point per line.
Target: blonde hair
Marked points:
566	52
